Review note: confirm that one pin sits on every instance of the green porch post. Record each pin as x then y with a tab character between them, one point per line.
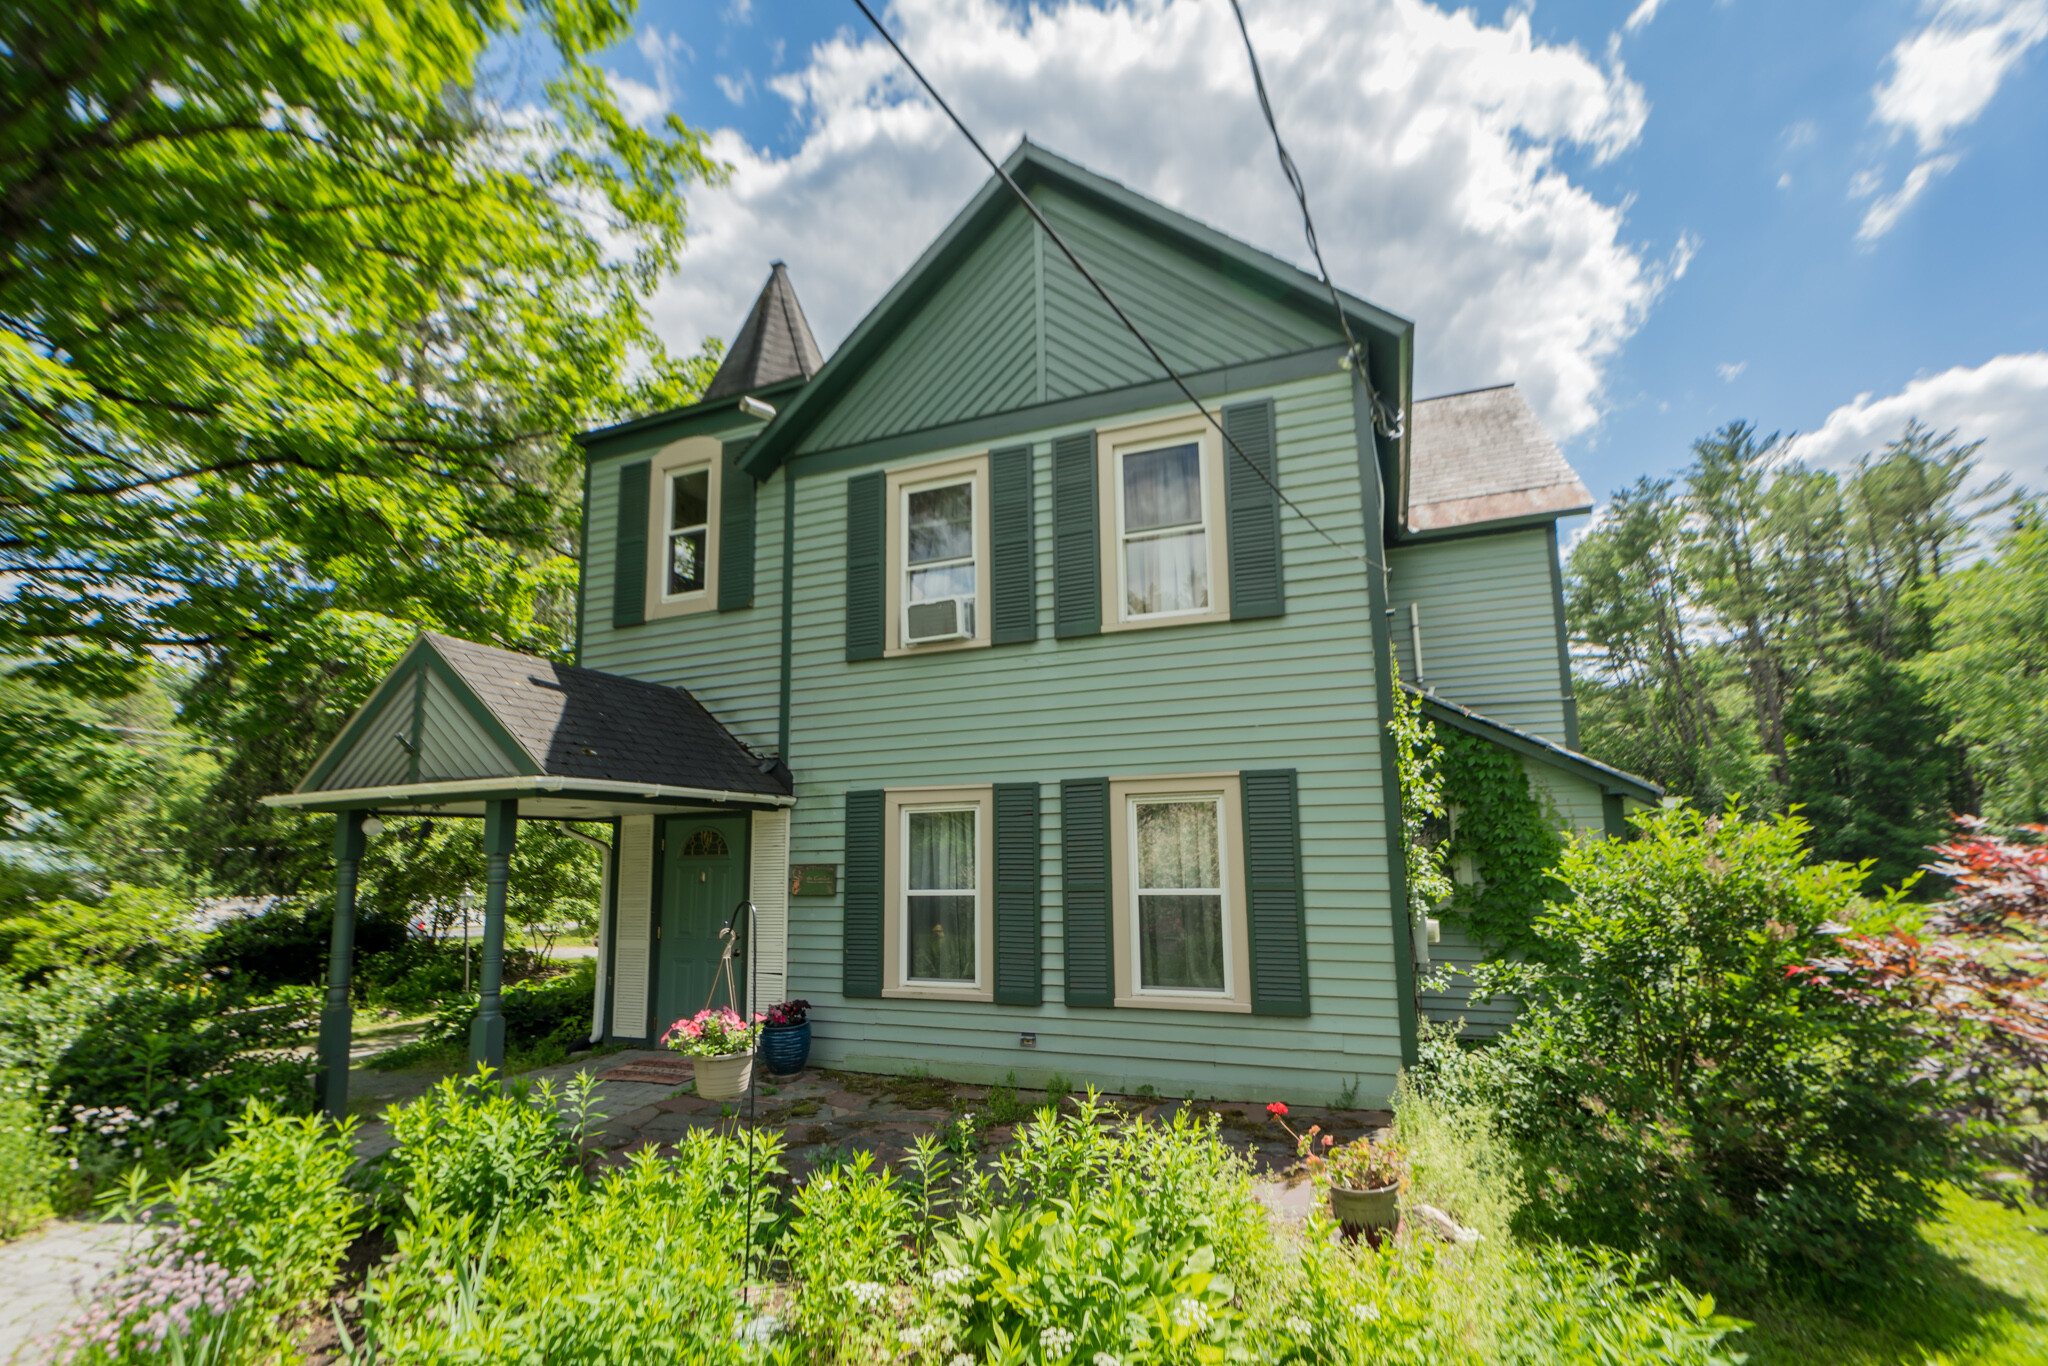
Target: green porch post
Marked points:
335	1016
487	1035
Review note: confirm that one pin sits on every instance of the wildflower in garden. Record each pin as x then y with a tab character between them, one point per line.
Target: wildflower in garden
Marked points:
1104	1359
1366	1312
870	1294
1056	1340
1191	1314
945	1278
1299	1326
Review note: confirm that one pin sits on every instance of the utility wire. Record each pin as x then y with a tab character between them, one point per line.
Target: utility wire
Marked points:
1385	420
1121	316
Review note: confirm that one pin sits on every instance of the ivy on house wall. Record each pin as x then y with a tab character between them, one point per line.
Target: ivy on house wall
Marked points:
1422	805
1512	840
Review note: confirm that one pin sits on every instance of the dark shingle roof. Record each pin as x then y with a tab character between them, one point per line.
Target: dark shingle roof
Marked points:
580	723
775	344
1483	457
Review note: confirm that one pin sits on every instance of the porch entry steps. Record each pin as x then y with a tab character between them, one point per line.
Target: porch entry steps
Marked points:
659	1071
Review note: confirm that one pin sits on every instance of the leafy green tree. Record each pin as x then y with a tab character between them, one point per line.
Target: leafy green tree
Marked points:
1989	670
1870	764
302	305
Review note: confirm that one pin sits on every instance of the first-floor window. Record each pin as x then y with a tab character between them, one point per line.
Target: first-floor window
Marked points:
1178	896
941	894
689	529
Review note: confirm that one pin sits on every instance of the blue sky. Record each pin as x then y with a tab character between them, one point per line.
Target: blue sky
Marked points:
1656	217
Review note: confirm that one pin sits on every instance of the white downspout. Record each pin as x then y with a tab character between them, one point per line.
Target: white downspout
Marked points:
604	911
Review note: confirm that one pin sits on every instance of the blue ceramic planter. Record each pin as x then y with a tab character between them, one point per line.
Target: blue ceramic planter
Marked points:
786	1048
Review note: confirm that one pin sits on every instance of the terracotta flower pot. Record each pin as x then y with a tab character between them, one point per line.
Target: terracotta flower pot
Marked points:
1366	1209
725	1077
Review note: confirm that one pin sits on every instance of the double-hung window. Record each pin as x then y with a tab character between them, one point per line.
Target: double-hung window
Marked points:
940	582
938	556
1162	530
938	911
941	889
1177	848
1177	862
683	528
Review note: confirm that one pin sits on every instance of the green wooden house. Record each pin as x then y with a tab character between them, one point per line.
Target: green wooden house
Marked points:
1042	725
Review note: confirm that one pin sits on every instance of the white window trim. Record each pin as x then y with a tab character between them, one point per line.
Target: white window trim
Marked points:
1124	796
897	804
901	484
1110	446
694	452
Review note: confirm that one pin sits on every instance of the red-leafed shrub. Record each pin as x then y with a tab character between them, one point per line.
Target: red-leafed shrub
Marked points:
1974	983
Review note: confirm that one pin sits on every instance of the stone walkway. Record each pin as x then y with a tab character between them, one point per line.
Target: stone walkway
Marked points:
47	1273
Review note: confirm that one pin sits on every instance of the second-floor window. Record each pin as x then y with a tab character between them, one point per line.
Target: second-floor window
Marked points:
939	589
1163	529
937	556
689	531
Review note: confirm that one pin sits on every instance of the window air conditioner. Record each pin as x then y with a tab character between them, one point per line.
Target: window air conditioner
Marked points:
927	622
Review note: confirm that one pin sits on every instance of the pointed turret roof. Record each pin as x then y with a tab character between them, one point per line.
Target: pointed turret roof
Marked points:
776	343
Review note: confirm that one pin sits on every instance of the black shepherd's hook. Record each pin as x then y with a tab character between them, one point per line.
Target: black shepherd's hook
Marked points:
729	936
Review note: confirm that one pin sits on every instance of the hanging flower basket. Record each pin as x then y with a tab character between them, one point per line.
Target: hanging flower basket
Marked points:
721	1046
726	1077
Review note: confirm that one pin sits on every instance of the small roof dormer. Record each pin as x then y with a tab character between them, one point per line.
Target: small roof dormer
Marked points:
774	345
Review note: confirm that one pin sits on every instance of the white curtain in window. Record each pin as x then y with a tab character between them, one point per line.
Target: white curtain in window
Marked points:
1167	574
1180	896
1166	550
940	895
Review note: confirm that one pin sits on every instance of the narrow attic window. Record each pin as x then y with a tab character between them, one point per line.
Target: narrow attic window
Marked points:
689	531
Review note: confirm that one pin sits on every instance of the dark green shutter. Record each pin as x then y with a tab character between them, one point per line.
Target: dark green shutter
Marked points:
735	531
1084	878
1019	980
1077	553
629	562
1013	614
1256	586
867	506
1272	854
861	949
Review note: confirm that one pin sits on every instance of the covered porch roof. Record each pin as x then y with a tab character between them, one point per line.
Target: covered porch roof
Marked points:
456	725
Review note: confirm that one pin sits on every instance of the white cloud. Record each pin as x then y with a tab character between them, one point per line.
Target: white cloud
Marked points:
1639	18
2003	402
661	50
1943	75
740	12
1880	218
1731	371
1429	141
640	102
735	90
1785	181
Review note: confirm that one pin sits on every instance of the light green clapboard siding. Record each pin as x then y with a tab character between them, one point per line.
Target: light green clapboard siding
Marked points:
729	661
1294	691
1015	324
1489	633
1574	805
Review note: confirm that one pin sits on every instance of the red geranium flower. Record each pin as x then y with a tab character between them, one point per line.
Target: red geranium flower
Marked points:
1277	1110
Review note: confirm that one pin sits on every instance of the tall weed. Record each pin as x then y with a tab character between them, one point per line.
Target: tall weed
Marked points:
27	1166
471	1146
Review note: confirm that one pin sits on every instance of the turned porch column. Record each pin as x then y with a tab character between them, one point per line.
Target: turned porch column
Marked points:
335	1016
487	1035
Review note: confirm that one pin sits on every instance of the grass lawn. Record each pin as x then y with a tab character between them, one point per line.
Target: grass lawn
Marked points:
1983	1302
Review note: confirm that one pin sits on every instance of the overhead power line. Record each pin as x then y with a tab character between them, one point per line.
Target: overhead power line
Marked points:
1385	420
1121	316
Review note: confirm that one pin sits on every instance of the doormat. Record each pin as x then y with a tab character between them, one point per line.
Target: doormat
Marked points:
661	1071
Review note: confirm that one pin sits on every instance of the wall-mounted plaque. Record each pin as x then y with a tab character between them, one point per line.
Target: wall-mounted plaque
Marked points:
814	879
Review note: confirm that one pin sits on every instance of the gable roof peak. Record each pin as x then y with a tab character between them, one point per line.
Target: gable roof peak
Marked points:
774	344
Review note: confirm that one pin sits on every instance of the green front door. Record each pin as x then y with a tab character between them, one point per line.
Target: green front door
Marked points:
703	877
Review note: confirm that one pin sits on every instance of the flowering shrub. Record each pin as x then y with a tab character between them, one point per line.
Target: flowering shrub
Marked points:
713	1034
168	1304
789	1013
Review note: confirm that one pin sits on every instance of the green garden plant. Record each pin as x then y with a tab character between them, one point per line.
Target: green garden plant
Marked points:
1680	1084
476	1147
